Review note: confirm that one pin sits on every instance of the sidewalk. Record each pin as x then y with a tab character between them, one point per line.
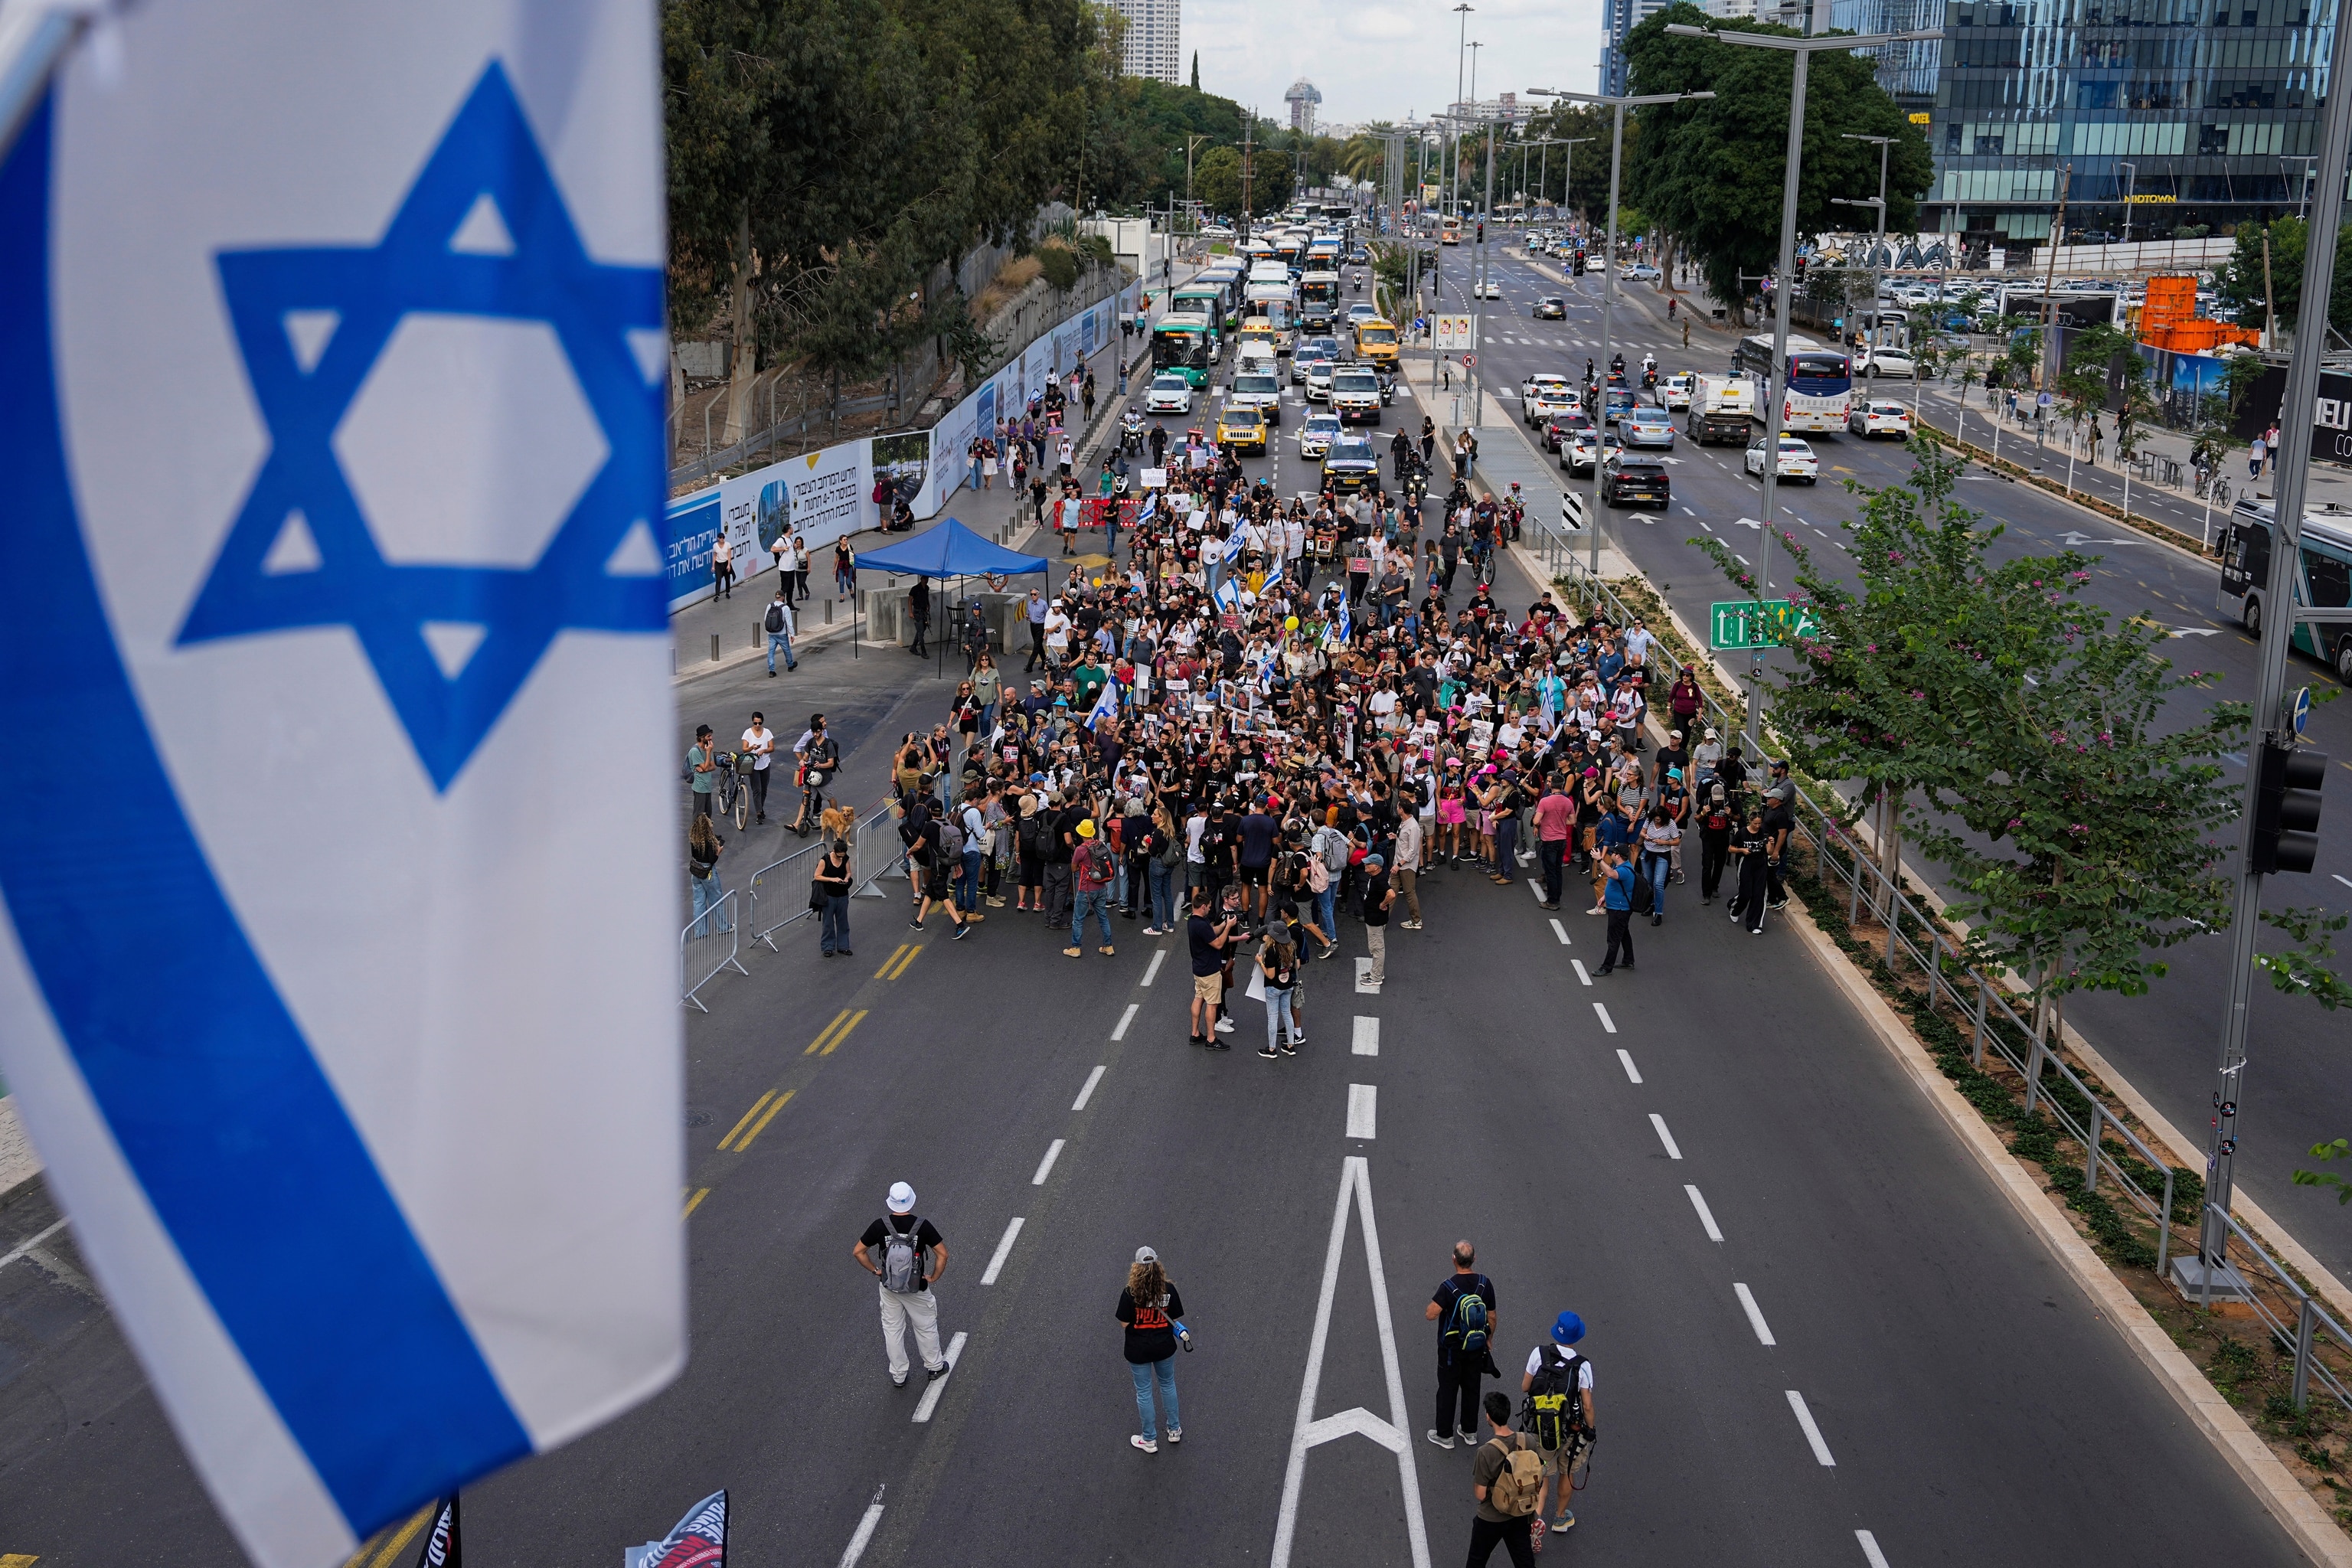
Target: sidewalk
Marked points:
823	615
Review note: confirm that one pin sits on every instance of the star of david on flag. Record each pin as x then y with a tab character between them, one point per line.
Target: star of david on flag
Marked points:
330	501
1229	596
1106	705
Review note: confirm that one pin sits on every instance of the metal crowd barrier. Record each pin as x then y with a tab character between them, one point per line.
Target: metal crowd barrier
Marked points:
709	944
1913	934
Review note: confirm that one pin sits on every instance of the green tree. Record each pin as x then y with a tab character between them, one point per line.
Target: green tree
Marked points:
2028	744
2238	281
1710	171
1196	70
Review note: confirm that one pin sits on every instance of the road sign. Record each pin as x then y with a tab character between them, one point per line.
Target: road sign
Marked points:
2300	707
1455	333
1469	358
1743	624
1571	512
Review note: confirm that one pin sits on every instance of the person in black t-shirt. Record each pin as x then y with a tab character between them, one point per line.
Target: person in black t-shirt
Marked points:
1459	1369
915	1304
1377	896
1152	1312
1207	939
1254	852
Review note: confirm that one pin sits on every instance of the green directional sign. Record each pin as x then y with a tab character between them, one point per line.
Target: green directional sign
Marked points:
1745	623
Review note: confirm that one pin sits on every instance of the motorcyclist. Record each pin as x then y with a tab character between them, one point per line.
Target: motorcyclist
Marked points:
1617	367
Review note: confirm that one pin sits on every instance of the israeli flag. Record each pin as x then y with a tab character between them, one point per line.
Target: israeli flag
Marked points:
1106	706
1148	509
1342	628
1229	596
1236	543
332	350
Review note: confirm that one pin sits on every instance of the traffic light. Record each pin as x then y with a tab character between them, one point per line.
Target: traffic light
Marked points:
2286	808
1482	231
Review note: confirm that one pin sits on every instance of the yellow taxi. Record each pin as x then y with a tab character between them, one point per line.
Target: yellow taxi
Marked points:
1243	429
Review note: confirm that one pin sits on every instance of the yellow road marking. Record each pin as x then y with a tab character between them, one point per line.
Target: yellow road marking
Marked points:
830	1044
696	1201
829	1028
377	1554
912	954
747	1119
884	973
762	1125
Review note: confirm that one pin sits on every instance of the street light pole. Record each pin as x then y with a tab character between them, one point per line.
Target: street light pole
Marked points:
2131	177
1608	272
2278	631
1776	386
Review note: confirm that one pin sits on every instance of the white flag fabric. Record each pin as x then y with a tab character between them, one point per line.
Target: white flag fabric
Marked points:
332	351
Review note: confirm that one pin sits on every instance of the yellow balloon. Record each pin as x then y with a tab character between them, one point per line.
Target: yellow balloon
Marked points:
1290	623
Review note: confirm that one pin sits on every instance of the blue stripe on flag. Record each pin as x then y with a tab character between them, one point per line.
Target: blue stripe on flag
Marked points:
202	1076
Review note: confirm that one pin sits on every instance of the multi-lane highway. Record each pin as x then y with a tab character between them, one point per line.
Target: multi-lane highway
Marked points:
1820	1334
2297	1092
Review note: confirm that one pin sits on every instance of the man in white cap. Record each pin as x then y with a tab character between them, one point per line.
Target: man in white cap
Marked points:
908	1256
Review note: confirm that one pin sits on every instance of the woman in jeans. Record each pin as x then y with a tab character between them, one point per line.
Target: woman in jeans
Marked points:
1161	871
1660	834
1277	960
1149	1310
831	883
703	848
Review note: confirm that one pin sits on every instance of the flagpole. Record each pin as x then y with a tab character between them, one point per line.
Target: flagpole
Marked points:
33	42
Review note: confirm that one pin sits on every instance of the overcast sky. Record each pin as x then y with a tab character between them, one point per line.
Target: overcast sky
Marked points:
1381	60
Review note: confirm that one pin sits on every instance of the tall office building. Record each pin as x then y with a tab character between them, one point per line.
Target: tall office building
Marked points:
2183	116
1153	37
1618	18
1303	97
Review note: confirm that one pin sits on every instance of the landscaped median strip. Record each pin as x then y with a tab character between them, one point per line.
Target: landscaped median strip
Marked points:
2265	1471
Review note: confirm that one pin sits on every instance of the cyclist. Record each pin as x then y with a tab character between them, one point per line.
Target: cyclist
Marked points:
1670	309
819	758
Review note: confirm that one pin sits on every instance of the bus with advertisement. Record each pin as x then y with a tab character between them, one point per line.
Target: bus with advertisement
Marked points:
1819	381
1188	345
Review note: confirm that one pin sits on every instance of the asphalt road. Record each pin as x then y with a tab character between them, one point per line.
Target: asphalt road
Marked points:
2297	1092
1639	1148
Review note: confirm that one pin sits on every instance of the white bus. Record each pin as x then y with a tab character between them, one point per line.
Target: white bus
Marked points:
1819	381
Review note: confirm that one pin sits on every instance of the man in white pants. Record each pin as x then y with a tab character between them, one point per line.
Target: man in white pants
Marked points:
908	1256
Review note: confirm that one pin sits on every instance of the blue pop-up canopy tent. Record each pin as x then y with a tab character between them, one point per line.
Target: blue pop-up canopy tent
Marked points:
950	549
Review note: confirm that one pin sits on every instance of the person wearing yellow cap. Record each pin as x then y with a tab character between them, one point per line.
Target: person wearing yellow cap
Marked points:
1094	867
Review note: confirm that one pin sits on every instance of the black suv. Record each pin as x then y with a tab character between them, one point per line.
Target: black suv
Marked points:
1628	480
1551	308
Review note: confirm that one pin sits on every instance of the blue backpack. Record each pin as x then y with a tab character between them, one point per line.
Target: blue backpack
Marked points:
1465	1327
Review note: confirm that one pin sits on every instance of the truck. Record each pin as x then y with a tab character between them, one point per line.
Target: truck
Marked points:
1720	409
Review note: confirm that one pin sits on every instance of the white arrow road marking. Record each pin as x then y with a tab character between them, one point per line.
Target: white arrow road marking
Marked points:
2074	541
1754	523
2194	631
1354	1179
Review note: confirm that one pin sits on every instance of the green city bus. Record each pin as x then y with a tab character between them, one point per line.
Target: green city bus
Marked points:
1209	298
1187	344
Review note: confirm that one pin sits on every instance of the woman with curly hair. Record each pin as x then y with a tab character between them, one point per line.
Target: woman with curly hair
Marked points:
1151	1310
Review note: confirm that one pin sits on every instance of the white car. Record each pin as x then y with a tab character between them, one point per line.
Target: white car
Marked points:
1318	381
1579	451
1169	394
1549	400
1675	391
1489	289
1541	381
1887	362
1320	430
1640	272
1873	416
1797	459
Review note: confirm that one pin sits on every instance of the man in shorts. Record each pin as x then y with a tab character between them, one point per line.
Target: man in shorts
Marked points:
1257	854
1208	939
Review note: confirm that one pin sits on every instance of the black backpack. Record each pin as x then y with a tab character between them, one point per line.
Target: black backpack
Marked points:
1643	896
775	622
1554	1412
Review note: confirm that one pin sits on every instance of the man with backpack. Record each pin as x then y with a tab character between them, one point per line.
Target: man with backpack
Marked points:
779	624
1506	1478
1464	1311
1558	1416
908	1255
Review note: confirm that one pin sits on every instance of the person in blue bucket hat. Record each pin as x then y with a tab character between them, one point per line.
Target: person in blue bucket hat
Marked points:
1558	1414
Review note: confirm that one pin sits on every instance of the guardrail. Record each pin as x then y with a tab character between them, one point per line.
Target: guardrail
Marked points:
1913	935
777	896
699	947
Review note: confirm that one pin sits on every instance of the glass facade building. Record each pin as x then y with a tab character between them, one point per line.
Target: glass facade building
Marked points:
2183	116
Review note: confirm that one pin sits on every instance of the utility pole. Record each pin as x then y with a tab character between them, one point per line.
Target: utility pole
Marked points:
2278	630
1885	143
1249	126
2131	177
2049	306
1461	54
1803	47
